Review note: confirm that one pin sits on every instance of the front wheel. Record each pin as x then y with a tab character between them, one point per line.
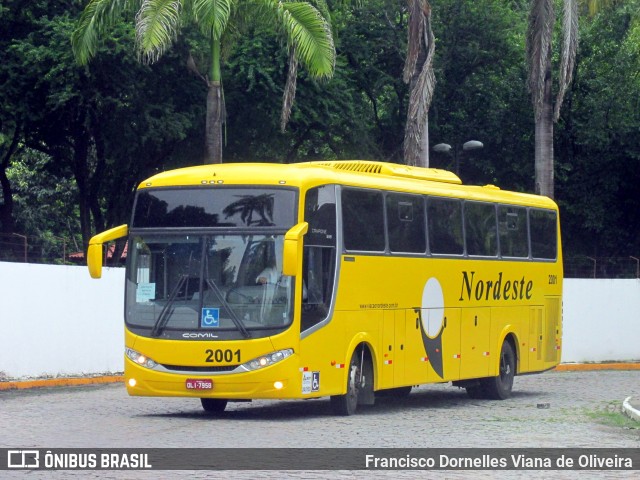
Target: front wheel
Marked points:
499	388
213	405
348	403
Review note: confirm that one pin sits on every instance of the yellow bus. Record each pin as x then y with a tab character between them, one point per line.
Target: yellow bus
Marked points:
340	279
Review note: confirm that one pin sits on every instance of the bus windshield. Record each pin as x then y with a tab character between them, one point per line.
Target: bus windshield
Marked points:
207	286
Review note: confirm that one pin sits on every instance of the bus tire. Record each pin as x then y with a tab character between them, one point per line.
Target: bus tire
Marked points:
348	403
213	405
476	392
499	388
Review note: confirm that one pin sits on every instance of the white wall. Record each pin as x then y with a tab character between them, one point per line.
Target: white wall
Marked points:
57	321
601	320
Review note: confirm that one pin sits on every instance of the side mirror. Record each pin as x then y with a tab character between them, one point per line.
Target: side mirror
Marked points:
94	252
292	254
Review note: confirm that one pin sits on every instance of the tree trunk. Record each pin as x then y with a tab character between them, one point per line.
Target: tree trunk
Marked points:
544	141
81	175
215	108
418	72
215	118
417	136
7	222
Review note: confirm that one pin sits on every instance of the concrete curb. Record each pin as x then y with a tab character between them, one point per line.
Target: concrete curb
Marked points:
59	382
629	410
574	367
78	381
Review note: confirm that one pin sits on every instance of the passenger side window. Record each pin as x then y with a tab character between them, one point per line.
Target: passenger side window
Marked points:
544	235
405	224
444	217
363	220
512	225
480	229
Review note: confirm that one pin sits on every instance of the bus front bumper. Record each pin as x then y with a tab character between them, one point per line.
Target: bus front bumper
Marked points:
279	381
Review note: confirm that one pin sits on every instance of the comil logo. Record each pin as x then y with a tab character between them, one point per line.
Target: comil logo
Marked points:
23	459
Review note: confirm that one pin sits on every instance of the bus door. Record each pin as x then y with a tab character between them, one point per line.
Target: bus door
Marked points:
475	339
392	353
404	358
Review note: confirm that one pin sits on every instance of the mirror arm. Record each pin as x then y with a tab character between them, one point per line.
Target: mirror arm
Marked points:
293	248
94	252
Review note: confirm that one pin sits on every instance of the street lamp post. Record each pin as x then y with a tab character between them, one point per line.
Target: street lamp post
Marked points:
64	248
466	146
595	262
23	237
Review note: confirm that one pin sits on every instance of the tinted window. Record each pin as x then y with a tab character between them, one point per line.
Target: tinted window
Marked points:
214	207
512	224
480	229
320	214
544	237
363	220
318	264
444	217
405	223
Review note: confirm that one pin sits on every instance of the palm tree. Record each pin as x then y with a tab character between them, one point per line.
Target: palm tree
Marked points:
247	205
418	73
306	31
539	40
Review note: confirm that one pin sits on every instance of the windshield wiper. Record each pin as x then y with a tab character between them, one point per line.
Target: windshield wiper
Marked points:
212	285
166	311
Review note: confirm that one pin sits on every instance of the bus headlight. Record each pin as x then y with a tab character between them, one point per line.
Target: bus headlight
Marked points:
268	359
139	358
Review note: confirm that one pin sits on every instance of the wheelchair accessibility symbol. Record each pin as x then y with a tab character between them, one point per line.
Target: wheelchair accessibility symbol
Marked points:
310	382
210	318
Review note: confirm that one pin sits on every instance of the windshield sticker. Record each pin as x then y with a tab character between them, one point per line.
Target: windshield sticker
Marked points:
310	382
145	292
210	318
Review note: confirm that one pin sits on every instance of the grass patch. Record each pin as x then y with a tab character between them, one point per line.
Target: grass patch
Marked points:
612	416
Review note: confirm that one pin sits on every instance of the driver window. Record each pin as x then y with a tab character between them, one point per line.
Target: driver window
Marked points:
319	254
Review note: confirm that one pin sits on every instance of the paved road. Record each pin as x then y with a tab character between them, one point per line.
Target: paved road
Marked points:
434	416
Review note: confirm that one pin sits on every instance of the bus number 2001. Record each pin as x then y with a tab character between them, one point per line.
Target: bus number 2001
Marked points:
222	355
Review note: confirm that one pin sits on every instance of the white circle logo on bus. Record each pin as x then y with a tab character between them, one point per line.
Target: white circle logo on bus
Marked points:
432	307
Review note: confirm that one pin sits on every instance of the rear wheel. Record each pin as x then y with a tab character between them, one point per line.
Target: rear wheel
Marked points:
348	403
476	391
213	405
499	388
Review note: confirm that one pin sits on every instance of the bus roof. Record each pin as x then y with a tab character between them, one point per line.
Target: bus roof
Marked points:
357	173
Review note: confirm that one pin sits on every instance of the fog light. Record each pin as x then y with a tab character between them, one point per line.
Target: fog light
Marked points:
278	385
132	382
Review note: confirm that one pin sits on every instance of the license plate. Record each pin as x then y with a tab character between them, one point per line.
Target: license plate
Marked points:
199	384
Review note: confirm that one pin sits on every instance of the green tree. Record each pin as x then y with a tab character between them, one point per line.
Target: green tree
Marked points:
373	43
481	93
598	141
107	126
46	206
158	23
